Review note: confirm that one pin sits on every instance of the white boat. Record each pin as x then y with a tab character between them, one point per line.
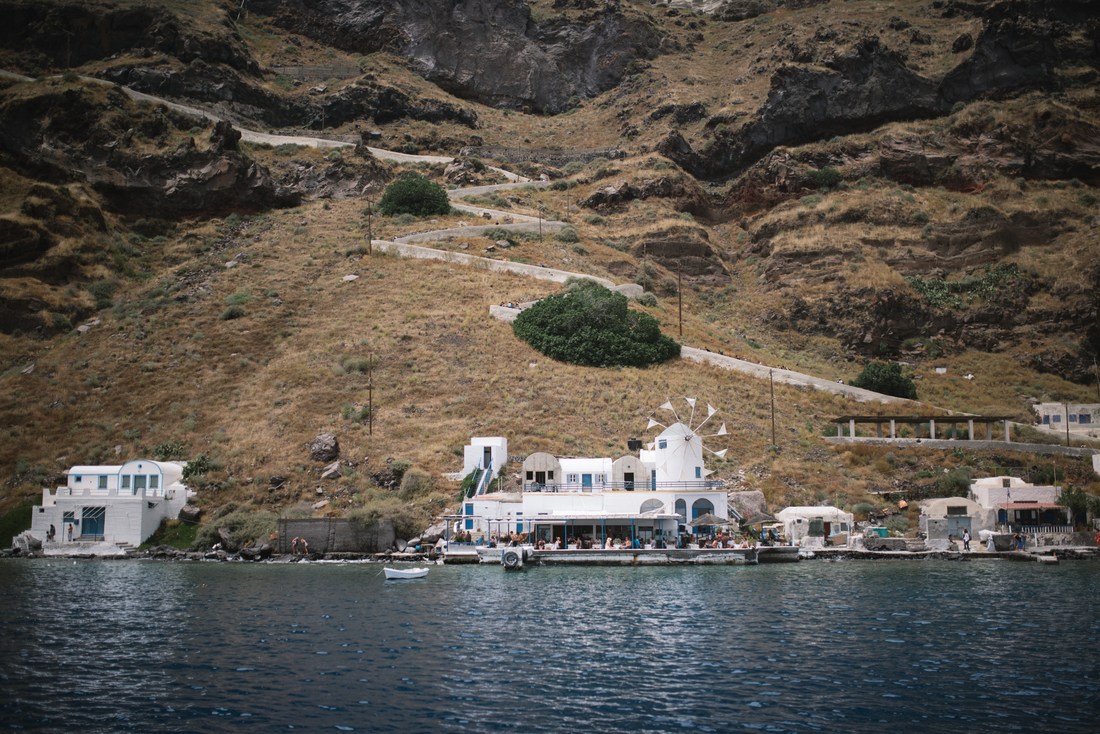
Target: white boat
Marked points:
394	574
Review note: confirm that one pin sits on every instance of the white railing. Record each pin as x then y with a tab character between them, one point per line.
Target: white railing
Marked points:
1041	529
635	486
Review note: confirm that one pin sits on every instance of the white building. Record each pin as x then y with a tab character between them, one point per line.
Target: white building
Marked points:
813	527
944	519
1082	418
1011	503
120	505
648	498
485	453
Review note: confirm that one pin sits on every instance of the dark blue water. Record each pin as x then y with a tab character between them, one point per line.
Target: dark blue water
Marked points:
811	647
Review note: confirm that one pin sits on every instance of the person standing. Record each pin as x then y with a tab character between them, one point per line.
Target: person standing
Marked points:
966	539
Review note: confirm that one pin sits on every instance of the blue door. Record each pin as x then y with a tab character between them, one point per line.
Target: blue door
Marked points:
586	481
92	523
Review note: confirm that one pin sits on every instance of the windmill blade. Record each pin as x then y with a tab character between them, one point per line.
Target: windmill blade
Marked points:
722	431
710	414
720	454
655	423
668	406
691	418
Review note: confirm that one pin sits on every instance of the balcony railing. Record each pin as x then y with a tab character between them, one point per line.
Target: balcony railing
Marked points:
701	485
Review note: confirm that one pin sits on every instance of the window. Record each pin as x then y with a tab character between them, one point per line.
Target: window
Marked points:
154	481
469	508
1056	418
698	472
1084	418
662	444
571	478
125	481
1073	418
1046	420
1006	483
530	476
550	475
77	479
956	511
103	482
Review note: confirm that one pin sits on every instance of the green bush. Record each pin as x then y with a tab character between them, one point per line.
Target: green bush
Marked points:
15	522
103	291
411	193
863	508
825	178
233	312
169	450
415	483
886	378
589	325
198	467
955	483
245	528
897	524
567	234
407	520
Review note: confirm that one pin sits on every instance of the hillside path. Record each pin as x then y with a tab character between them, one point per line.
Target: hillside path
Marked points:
403	246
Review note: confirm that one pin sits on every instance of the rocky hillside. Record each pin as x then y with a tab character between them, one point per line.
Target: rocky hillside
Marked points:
823	182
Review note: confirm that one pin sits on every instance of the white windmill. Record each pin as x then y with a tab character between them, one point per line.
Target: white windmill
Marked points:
678	451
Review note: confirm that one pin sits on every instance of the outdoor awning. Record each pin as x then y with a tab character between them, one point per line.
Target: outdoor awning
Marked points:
597	517
1031	506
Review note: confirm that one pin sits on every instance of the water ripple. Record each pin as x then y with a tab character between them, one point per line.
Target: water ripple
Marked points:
810	647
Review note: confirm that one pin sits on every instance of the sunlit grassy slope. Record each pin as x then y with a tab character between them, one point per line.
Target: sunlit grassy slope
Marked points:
166	364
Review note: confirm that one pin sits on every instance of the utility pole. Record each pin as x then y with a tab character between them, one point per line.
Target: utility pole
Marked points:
680	297
370	233
370	394
1067	424
771	383
1096	373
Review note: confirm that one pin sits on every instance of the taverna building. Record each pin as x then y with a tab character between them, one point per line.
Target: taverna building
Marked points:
649	498
116	504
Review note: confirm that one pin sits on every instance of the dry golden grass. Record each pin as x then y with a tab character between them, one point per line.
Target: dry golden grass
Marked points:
164	366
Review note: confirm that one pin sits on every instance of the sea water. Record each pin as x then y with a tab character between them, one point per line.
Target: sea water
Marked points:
818	646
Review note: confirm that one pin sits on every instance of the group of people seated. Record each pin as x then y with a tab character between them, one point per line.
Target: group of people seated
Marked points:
588	542
724	540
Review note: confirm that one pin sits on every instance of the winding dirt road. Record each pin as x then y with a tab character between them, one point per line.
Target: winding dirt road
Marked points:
403	246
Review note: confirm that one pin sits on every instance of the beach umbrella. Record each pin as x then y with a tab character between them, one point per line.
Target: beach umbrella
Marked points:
711	520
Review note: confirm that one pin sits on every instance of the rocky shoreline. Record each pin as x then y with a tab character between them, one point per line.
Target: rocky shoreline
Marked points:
267	555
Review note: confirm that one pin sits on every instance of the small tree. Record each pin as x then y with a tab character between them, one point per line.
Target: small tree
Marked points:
411	193
590	325
1079	503
886	378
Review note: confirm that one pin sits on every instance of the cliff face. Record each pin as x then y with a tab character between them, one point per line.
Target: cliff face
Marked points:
492	52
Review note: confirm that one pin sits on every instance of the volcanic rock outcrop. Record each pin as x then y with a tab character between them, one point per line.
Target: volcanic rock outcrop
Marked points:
492	52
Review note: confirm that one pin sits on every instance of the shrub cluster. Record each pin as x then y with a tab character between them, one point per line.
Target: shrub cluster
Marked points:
982	287
411	193
589	325
886	378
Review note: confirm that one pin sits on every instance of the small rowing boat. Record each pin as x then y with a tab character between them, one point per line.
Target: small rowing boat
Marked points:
395	574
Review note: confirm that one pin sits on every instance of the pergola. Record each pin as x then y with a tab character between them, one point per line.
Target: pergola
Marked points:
926	424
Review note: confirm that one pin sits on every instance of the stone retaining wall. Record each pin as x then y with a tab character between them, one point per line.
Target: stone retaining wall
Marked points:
336	535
